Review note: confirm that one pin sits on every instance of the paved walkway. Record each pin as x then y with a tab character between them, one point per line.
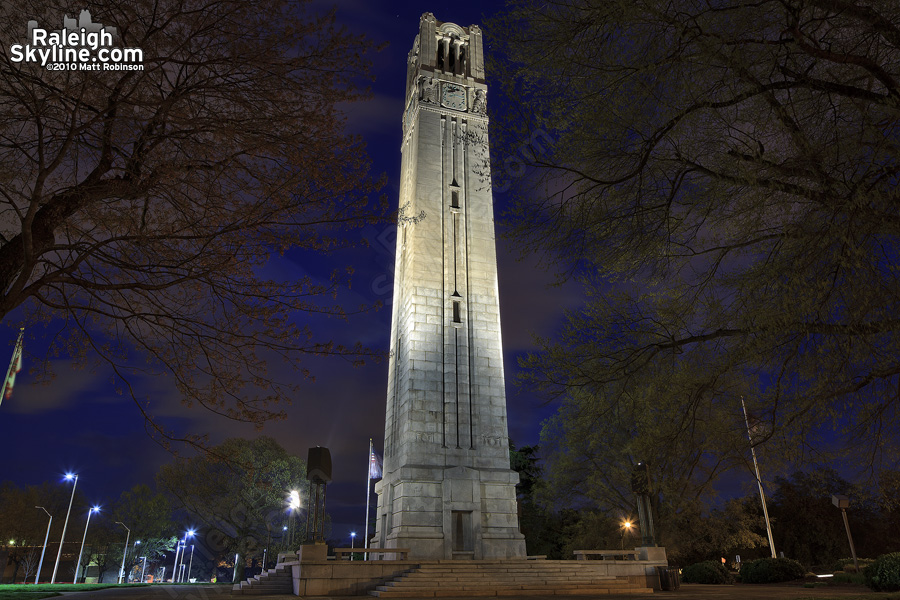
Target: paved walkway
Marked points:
687	592
162	592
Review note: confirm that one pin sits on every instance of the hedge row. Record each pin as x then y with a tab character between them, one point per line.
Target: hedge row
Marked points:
883	575
710	571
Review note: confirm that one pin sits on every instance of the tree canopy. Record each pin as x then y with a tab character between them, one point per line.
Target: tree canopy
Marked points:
238	491
723	181
140	208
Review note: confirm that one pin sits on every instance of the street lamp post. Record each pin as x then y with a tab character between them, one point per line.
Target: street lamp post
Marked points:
46	537
176	575
293	507
268	541
842	502
62	538
352	542
190	564
133	552
626	526
175	566
80	552
124	552
144	568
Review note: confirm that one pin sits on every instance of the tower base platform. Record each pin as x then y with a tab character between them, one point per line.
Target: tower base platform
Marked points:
469	578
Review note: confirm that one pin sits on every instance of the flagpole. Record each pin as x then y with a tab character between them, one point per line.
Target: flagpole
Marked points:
762	495
13	364
368	495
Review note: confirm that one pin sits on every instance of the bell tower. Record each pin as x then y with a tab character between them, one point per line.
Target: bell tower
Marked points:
448	490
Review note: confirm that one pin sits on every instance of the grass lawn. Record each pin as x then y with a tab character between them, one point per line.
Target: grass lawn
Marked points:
63	587
23	591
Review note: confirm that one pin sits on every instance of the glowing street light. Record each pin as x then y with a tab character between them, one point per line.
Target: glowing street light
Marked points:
182	545
124	552
626	526
352	542
69	477
293	507
41	563
80	552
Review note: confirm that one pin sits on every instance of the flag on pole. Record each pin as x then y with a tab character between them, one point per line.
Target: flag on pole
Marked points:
15	365
374	464
374	473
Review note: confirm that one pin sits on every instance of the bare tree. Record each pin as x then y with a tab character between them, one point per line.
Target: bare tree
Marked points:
30	558
141	207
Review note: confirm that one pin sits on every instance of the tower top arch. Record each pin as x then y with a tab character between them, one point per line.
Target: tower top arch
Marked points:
447	50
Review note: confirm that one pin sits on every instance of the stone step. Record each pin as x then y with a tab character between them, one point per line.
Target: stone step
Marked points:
457	571
507	592
463	590
507	578
520	584
521	581
275	581
572	566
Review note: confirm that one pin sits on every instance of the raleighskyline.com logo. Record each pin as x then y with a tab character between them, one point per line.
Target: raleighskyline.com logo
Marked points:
81	46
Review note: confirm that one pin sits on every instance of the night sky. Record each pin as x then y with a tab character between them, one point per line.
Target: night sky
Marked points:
78	422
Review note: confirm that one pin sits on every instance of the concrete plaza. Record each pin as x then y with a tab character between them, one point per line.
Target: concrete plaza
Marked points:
687	592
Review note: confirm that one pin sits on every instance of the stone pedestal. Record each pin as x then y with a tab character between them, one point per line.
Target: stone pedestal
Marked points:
454	513
656	554
311	553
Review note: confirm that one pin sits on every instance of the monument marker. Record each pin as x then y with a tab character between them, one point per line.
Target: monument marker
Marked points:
447	489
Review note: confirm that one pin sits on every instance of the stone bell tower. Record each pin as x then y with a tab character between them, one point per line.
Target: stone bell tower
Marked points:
448	490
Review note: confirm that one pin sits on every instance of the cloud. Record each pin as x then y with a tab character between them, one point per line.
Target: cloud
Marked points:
70	387
530	303
381	114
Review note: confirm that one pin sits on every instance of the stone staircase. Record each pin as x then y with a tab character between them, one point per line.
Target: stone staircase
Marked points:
279	580
510	578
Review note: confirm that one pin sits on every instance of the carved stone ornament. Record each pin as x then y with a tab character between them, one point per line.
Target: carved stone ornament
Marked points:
454	96
408	116
479	105
427	91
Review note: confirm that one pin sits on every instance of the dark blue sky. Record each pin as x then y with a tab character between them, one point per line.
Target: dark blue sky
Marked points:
79	422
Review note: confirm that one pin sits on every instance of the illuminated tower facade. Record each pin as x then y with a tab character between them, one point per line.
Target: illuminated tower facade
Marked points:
448	490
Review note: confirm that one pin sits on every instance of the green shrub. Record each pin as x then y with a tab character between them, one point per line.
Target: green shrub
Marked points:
841	577
771	570
846	564
710	571
883	575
